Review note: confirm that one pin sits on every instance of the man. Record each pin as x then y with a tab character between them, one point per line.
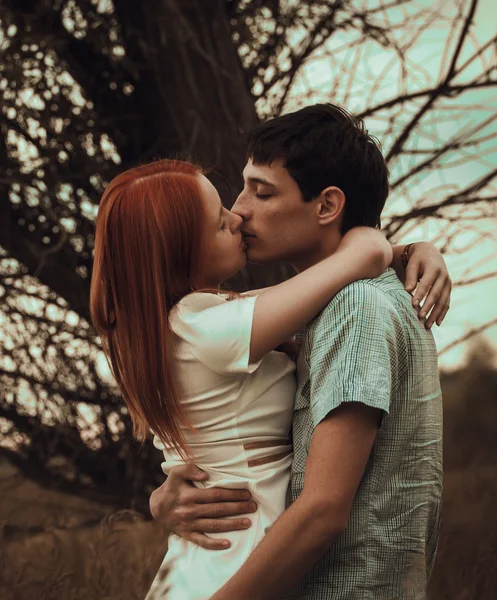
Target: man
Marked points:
367	430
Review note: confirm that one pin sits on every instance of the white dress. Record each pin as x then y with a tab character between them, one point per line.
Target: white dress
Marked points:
235	406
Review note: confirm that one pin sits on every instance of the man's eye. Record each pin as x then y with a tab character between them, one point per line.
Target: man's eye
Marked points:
263	196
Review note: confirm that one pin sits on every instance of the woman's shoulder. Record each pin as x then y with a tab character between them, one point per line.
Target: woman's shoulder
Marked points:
197	301
217	330
193	305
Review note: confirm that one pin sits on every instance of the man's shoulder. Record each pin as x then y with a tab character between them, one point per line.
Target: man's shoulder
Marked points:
362	290
357	295
363	304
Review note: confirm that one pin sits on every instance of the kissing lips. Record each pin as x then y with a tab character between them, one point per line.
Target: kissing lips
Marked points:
248	238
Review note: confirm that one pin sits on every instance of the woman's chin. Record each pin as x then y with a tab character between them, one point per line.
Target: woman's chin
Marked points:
237	269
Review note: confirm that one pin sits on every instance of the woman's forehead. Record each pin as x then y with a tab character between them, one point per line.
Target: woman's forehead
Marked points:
211	199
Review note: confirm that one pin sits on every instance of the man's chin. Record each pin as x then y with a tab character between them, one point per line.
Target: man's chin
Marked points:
258	258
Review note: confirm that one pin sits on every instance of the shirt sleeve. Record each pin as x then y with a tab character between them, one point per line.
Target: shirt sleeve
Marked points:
354	356
217	330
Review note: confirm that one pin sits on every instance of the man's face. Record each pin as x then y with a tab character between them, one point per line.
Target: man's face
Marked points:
278	225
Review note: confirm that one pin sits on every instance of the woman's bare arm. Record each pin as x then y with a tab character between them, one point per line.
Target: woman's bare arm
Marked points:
289	306
258	291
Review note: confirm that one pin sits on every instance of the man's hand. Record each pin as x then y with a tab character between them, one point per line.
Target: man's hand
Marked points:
427	278
190	512
340	448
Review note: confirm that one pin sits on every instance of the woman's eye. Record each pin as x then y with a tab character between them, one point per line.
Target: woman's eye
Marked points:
263	196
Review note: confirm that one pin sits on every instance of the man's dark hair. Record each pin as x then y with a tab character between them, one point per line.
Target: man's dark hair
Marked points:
323	145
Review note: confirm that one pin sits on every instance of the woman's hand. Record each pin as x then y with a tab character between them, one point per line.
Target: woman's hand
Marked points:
366	251
428	280
426	277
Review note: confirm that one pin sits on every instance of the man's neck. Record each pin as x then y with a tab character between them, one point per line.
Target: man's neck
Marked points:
327	247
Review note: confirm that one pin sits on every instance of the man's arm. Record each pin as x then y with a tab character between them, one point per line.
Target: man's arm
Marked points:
191	512
338	455
353	369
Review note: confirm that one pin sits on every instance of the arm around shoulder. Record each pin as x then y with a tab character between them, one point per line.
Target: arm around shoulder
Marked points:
287	307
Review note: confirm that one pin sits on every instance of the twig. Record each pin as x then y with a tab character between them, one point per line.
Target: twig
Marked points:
468	335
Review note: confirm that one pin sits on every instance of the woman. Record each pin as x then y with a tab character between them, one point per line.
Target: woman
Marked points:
195	365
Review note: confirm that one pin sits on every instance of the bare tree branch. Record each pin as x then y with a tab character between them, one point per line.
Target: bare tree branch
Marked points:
476	279
470	334
187	76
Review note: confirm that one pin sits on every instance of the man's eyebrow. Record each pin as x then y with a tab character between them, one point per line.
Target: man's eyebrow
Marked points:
260	180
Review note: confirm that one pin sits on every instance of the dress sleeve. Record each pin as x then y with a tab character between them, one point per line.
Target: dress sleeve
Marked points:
355	352
217	330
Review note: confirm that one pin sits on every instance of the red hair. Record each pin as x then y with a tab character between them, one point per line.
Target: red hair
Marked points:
147	249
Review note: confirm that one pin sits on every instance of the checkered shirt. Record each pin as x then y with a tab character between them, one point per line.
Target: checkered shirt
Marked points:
369	346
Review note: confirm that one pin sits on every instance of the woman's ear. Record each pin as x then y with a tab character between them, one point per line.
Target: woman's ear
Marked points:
330	205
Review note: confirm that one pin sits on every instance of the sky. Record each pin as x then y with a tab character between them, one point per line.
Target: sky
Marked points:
347	76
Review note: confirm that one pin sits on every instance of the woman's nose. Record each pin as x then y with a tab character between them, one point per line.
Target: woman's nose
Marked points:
237	221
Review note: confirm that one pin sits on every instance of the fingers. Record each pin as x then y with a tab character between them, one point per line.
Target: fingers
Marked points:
214	526
199	539
154	504
441	307
428	279
444	312
206	496
188	471
432	298
424	286
412	274
438	302
220	525
224	509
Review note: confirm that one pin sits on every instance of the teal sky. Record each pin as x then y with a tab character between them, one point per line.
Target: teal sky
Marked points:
368	74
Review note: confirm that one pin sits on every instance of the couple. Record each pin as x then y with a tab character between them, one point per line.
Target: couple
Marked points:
351	508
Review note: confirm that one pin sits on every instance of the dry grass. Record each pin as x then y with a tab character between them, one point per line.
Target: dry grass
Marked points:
57	547
466	567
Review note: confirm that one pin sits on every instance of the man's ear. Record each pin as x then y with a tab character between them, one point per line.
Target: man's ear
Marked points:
330	205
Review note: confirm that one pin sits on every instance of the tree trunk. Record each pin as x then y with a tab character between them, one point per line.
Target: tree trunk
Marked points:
194	95
190	97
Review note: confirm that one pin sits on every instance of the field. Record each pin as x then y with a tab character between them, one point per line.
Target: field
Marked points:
58	547
55	546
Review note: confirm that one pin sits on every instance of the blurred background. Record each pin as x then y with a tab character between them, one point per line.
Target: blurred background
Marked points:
89	88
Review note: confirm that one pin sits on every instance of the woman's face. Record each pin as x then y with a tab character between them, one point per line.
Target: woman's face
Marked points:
223	247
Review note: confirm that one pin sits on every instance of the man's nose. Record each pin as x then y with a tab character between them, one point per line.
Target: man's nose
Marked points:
237	222
241	208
